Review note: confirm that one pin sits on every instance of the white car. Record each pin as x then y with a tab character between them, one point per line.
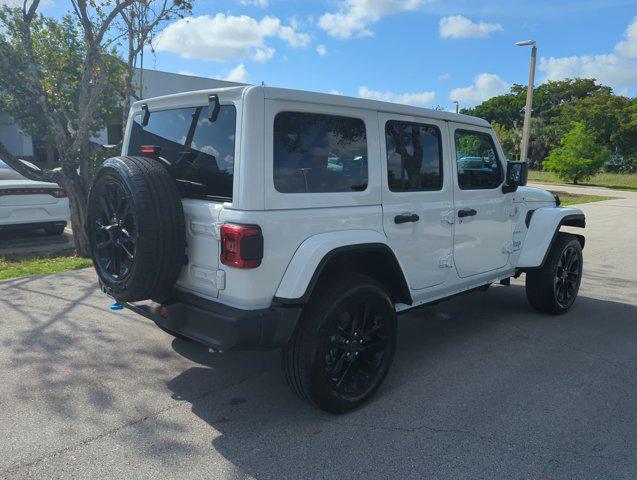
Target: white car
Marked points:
26	204
258	217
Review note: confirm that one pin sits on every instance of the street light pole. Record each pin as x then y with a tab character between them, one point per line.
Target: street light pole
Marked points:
526	129
457	105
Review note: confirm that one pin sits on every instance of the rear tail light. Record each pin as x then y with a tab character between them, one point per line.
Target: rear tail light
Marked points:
241	245
54	192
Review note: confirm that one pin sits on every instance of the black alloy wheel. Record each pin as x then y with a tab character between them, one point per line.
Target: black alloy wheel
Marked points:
357	347
114	231
567	276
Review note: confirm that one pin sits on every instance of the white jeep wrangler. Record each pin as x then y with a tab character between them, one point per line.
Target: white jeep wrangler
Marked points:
259	218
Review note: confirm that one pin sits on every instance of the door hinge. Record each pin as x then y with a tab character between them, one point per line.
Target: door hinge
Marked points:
446	261
448	217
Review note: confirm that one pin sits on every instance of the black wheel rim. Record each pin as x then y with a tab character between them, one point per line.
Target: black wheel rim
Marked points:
357	348
567	276
115	235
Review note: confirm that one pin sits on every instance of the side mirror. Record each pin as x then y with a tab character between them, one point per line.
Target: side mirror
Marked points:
517	174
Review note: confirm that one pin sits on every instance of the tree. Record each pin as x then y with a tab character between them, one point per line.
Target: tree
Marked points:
556	104
60	48
69	107
140	21
578	157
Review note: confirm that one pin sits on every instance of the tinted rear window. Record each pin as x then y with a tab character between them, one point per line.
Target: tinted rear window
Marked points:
198	154
319	153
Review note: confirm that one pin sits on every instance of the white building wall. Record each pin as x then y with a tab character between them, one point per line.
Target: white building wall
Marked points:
17	142
154	84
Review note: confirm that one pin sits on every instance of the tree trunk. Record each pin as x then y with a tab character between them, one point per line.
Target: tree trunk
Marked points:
50	155
78	203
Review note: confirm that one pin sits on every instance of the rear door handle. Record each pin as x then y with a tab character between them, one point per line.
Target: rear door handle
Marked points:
466	212
406	217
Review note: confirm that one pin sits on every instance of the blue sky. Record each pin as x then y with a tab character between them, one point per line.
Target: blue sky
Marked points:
412	51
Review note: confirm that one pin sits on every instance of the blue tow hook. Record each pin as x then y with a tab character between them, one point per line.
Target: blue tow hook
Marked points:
117	306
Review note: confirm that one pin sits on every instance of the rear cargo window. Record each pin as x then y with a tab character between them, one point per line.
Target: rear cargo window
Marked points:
319	153
198	154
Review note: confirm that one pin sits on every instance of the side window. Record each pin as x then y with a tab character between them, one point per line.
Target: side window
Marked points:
319	153
414	157
477	161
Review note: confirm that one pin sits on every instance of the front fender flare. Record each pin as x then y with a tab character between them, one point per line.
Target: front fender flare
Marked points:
542	231
307	258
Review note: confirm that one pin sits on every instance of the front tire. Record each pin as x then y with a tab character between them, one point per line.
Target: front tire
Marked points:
553	288
343	345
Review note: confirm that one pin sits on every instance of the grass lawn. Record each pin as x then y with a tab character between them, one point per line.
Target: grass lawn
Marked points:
619	181
38	266
575	198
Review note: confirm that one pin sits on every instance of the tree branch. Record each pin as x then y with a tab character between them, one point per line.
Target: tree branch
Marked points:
26	170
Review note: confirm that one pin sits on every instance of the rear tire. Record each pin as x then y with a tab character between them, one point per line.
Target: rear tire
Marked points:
553	288
136	229
343	345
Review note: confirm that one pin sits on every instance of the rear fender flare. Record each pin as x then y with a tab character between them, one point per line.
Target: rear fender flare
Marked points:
306	265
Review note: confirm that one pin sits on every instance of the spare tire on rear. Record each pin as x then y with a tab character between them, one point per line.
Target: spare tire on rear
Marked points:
136	229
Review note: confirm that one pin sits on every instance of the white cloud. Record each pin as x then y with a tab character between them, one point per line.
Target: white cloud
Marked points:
336	92
608	69
628	46
321	50
262	55
417	99
619	69
238	74
457	26
226	37
484	86
354	16
254	3
444	76
294	38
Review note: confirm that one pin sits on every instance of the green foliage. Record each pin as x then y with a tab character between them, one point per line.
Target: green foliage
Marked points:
60	50
579	155
40	266
556	104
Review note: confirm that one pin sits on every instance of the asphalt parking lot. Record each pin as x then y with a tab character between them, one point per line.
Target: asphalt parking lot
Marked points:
21	243
482	387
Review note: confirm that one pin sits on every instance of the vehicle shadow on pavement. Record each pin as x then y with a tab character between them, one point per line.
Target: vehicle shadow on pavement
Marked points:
478	378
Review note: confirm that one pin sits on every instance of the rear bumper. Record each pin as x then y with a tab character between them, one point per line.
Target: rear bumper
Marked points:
222	327
33	214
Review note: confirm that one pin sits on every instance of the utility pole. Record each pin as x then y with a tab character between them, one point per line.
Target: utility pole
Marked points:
526	130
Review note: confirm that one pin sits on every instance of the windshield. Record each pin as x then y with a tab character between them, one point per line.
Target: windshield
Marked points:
198	154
